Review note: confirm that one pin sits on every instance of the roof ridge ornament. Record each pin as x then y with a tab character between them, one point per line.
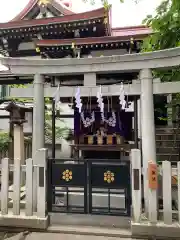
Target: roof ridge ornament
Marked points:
43	2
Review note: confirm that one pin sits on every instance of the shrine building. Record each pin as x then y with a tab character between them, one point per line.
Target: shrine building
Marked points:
49	29
79	59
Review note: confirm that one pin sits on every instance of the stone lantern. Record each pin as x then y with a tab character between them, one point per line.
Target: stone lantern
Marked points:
17	112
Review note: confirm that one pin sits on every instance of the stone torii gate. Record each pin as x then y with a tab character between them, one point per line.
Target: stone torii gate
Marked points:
145	87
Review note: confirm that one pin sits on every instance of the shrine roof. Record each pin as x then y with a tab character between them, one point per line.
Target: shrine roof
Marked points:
31	4
131	30
94	14
125	36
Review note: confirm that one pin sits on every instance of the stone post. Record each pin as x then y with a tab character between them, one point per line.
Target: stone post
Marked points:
147	129
19	147
19	143
38	135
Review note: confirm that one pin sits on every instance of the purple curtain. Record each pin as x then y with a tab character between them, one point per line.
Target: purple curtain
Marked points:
123	123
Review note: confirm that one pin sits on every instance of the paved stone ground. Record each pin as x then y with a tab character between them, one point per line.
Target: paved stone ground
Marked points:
64	219
89	230
59	236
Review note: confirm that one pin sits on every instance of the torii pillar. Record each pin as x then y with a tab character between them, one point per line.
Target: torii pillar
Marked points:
147	130
38	135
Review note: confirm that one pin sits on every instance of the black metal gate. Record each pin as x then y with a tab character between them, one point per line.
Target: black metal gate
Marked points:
89	186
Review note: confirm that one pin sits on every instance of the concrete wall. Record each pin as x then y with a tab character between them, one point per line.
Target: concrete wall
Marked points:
4	123
63	150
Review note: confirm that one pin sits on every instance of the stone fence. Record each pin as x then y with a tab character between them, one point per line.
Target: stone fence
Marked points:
161	218
17	206
20	209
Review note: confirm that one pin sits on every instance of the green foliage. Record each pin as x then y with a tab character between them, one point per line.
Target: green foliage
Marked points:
166	34
20	85
92	2
61	130
165	25
166	28
105	3
4	141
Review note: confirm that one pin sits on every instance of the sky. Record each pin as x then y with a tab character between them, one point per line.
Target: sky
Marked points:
127	14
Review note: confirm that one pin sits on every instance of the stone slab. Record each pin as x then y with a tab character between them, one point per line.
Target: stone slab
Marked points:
156	231
23	221
47	236
90	231
19	236
84	220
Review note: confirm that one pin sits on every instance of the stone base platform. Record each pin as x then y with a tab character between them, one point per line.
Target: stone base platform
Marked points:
158	231
23	221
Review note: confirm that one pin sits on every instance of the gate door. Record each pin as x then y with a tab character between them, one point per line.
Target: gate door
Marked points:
67	188
109	187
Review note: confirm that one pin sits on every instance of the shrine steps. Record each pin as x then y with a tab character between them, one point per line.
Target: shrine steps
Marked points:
167	144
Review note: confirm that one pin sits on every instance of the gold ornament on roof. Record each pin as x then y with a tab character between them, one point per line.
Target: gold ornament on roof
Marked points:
38	50
132	40
67	175
105	20
109	177
73	45
43	2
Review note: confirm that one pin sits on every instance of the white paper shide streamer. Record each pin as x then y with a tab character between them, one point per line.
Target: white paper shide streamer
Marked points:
78	99
122	100
100	102
57	98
